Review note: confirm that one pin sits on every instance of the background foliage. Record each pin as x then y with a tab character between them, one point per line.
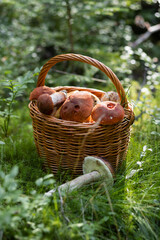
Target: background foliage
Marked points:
31	32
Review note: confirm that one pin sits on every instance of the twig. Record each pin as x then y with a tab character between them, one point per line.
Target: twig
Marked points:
62	208
146	35
143	83
69	20
1	234
83	210
137	117
67	73
140	91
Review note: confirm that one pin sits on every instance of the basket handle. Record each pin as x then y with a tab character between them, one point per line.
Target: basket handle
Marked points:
85	59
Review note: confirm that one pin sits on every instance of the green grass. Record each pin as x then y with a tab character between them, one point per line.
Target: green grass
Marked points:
129	210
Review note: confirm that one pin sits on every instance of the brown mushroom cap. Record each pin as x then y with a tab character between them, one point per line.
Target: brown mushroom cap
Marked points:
110	96
77	106
108	113
39	91
72	92
96	100
48	104
107	163
45	104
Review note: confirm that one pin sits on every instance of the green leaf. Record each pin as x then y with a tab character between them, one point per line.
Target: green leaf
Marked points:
49	182
7	72
14	171
39	181
48	176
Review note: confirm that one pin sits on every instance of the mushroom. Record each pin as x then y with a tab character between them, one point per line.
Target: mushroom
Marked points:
39	91
108	113
77	107
94	169
110	96
57	113
70	93
95	98
48	104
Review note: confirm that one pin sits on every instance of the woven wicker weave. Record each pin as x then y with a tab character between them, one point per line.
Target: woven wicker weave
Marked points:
64	144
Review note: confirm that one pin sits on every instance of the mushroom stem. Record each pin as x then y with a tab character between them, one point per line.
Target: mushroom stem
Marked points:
77	183
58	98
95	169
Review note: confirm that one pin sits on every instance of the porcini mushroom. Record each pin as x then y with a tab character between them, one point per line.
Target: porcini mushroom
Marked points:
94	169
77	107
108	113
48	104
110	96
70	93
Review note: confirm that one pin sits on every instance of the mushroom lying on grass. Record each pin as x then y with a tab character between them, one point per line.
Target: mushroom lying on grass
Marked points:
94	169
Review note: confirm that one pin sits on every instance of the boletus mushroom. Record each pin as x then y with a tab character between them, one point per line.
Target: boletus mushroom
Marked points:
48	104
39	91
108	113
77	107
94	169
110	96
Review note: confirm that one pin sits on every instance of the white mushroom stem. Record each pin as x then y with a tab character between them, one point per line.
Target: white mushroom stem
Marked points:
94	169
58	98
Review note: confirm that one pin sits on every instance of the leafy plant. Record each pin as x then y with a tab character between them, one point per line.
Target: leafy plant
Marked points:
14	90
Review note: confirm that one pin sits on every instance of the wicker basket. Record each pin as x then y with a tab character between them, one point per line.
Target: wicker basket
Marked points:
64	144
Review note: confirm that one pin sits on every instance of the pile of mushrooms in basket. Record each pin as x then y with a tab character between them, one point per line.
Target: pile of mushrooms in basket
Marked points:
80	106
